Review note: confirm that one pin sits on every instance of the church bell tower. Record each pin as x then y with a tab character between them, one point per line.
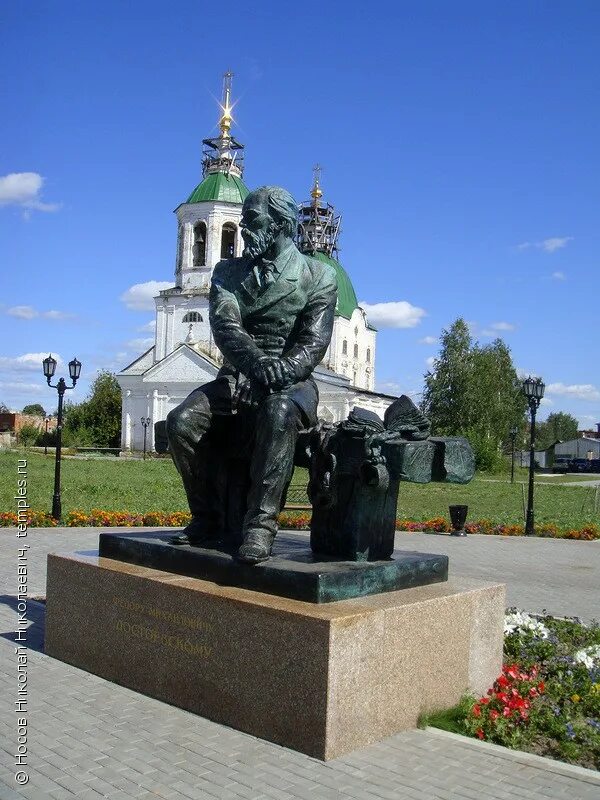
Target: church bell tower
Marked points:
207	231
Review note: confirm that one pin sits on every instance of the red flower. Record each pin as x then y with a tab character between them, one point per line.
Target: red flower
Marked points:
479	733
494	714
476	710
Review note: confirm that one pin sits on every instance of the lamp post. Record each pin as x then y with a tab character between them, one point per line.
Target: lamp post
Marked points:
49	365
533	389
513	436
47	420
145	423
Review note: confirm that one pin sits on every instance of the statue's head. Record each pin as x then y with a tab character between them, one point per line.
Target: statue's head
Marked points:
268	212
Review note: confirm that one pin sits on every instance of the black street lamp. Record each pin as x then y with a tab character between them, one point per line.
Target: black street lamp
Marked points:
145	423
533	389
513	435
74	372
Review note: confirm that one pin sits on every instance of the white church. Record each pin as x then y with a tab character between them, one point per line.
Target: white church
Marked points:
184	355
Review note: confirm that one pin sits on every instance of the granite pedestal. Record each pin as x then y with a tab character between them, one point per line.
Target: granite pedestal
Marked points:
321	678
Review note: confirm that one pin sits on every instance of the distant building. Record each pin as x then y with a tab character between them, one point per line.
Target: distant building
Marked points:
584	447
591	433
13	422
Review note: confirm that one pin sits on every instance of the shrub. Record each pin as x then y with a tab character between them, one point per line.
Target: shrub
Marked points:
28	435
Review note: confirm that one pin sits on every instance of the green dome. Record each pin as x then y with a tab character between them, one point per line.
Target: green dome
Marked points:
346	302
219	186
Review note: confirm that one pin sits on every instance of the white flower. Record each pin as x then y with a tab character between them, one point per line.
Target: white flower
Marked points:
519	622
589	656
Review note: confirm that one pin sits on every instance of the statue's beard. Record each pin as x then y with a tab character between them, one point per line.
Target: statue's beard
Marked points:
257	244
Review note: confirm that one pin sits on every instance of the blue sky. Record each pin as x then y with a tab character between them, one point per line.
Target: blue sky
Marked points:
459	141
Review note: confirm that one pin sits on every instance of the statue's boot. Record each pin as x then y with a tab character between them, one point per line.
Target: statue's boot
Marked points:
186	429
197	534
256	546
277	425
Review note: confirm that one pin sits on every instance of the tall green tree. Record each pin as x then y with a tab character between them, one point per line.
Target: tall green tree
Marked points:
446	398
474	391
103	410
559	426
96	421
36	409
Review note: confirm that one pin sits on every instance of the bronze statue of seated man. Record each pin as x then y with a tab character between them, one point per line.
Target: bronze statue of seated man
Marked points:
271	314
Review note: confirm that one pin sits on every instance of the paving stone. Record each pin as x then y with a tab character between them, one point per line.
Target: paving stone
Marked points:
91	739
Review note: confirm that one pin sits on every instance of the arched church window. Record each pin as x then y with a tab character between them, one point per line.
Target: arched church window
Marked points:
345	348
368	355
228	240
356	331
355	351
199	246
178	265
192	316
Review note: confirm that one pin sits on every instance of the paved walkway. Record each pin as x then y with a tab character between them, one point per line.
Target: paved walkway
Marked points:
90	739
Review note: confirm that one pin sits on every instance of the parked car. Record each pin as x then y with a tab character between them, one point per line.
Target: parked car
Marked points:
561	465
584	465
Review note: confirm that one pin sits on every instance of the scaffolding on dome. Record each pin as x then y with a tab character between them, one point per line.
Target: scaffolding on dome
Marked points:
319	226
224	153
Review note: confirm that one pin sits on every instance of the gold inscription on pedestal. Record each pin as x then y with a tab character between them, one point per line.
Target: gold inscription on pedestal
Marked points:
154	636
173	618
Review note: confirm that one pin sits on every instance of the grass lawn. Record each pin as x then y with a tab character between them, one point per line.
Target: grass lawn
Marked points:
571	478
154	485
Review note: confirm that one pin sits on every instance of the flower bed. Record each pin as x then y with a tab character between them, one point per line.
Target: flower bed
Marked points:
292	520
547	699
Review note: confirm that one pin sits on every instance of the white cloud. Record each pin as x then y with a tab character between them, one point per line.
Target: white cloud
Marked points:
526	373
429	340
545	401
149	326
547	245
23	189
29	312
579	391
497	327
140	296
140	344
558	276
23	312
400	314
24	388
589	421
28	361
53	314
389	387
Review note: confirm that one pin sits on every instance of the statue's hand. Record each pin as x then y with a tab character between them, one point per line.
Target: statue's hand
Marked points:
277	371
257	373
244	396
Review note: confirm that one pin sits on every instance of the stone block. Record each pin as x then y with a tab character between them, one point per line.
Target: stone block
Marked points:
292	571
323	679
